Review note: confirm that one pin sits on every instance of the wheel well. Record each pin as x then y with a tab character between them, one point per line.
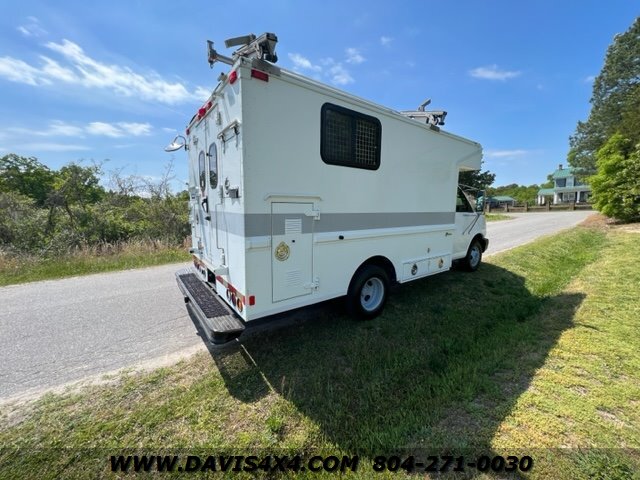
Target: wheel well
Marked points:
482	241
384	263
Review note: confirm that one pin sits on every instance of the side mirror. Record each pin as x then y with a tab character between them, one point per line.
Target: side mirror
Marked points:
480	196
176	145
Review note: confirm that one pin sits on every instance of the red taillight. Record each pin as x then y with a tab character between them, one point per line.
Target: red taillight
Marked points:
187	131
260	75
252	300
233	76
203	110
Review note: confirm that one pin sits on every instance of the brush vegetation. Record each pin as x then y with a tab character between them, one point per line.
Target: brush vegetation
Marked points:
56	223
102	257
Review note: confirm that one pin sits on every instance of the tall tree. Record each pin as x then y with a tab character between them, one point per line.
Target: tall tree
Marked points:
476	179
27	176
616	186
615	101
74	186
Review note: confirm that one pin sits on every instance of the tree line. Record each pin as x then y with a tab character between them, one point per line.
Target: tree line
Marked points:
51	212
606	147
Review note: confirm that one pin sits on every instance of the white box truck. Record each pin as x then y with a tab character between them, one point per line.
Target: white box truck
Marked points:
300	193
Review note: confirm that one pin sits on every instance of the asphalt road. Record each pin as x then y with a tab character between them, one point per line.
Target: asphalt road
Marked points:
526	227
60	331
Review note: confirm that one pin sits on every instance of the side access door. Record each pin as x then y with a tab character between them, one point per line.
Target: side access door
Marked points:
200	194
217	241
291	250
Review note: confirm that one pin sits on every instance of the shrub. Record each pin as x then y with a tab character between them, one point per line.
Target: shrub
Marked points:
616	185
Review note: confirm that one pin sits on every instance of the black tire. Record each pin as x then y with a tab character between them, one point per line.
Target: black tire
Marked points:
368	292
474	256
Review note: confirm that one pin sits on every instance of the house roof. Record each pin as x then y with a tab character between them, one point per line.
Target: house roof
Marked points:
545	191
565	172
503	198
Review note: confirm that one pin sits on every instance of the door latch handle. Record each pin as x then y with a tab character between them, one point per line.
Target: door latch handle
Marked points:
205	204
448	234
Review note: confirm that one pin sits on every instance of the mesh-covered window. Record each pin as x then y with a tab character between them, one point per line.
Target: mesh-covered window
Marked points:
349	138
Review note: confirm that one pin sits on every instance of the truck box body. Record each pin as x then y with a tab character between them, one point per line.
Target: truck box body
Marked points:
294	185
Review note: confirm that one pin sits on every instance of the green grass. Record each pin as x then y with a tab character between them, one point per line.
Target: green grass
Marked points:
537	350
21	269
495	217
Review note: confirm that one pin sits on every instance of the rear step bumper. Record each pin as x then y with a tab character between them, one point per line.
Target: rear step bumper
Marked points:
217	320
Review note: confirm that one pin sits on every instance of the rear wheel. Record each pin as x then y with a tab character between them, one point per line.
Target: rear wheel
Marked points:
474	256
368	292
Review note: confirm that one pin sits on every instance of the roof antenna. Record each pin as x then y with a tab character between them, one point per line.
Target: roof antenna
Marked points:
435	117
251	47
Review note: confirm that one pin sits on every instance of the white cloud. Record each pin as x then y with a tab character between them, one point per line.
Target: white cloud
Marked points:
492	72
57	128
202	93
105	129
590	79
32	28
328	68
303	63
122	80
339	75
82	70
52	147
54	70
120	129
385	41
18	71
135	129
505	153
62	129
354	56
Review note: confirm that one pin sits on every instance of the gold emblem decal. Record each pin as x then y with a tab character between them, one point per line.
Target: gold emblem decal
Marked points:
282	251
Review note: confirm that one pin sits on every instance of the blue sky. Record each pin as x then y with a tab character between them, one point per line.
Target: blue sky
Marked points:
116	80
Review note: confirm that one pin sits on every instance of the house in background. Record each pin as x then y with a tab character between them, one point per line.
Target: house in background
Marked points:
501	201
566	188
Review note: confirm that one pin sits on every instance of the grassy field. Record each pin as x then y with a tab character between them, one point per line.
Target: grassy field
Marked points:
537	353
103	258
495	217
